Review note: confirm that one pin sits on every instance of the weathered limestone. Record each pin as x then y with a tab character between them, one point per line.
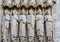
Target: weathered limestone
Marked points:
22	25
6	24
14	25
1	14
39	2
7	3
54	1
49	2
16	3
49	28
49	11
30	25
32	3
45	1
49	25
56	15
24	3
40	25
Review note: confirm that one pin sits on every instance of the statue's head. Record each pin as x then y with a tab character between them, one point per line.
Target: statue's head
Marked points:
31	11
23	11
49	11
7	11
40	11
15	11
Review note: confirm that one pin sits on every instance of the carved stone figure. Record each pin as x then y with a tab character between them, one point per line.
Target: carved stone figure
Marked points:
40	25
30	25
22	26
7	3
49	27
49	10
14	26
6	31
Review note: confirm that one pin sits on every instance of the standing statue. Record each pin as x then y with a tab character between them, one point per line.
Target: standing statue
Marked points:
30	25
6	31
22	25
14	25
49	25
40	25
